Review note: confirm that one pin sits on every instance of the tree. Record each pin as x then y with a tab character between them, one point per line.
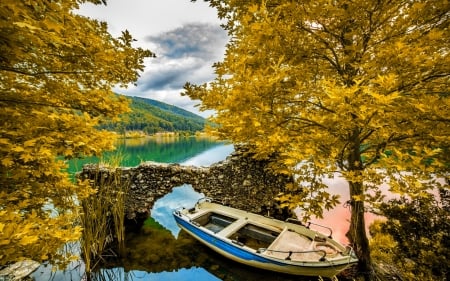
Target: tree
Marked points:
358	88
57	70
422	222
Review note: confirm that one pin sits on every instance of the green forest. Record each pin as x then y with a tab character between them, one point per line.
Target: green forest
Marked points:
151	116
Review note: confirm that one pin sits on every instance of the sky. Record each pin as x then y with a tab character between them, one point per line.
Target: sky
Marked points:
185	36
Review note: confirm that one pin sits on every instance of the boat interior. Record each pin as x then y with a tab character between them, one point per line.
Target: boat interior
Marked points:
213	221
254	236
284	243
247	234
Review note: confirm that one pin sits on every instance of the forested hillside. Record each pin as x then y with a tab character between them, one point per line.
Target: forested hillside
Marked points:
151	116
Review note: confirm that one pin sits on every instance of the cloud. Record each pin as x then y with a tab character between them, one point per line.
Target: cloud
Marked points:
165	74
184	54
186	49
144	17
200	40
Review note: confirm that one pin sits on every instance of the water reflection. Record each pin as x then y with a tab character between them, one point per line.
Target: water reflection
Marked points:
133	152
114	274
167	150
183	196
74	272
210	156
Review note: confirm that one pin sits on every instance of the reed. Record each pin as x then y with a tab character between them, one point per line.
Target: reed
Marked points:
111	274
103	214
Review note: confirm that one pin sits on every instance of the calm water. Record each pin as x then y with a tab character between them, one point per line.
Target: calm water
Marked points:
132	152
160	251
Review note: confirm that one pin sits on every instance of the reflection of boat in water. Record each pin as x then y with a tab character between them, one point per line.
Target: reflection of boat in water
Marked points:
262	242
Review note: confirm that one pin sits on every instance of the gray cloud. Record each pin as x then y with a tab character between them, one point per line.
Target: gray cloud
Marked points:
200	40
165	75
183	54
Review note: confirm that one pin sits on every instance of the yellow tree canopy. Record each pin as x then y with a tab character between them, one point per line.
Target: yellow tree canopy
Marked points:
355	87
57	70
323	80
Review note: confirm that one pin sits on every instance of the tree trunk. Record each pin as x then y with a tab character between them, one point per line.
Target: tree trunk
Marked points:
357	232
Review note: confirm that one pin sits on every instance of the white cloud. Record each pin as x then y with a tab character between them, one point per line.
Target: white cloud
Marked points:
186	37
149	17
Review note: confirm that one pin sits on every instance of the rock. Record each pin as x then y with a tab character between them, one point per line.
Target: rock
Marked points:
19	270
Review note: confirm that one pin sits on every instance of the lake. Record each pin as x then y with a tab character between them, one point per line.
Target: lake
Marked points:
160	251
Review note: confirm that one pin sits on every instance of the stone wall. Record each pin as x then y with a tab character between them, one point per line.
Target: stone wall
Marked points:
239	181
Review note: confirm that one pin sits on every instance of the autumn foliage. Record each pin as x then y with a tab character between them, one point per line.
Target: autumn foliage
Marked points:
354	88
57	69
422	222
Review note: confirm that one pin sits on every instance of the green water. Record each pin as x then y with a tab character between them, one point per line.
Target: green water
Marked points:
132	152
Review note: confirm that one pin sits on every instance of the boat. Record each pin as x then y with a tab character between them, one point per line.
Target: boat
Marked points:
289	246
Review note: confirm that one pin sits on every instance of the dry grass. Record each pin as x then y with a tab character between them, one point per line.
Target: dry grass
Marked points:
103	215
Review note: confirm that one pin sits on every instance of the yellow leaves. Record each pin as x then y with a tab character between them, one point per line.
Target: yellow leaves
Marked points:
435	34
353	176
277	138
387	81
4	242
68	153
359	198
45	152
25	25
37	234
26	240
7	162
29	143
421	107
4	141
399	46
26	157
24	203
253	8
17	148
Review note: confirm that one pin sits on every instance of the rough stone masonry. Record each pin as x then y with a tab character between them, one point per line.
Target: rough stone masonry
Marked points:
239	181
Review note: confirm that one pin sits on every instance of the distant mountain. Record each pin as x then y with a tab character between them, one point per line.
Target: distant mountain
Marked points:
153	116
170	108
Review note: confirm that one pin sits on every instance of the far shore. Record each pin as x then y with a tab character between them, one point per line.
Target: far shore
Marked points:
141	134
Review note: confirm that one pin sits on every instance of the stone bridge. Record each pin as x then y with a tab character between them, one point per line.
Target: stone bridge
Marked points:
239	181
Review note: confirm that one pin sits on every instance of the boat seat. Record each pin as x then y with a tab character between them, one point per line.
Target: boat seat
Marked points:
291	241
233	227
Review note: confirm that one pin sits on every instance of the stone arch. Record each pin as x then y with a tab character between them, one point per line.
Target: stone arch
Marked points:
239	181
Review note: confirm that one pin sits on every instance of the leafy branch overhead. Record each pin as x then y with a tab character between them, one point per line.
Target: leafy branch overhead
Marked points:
57	70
